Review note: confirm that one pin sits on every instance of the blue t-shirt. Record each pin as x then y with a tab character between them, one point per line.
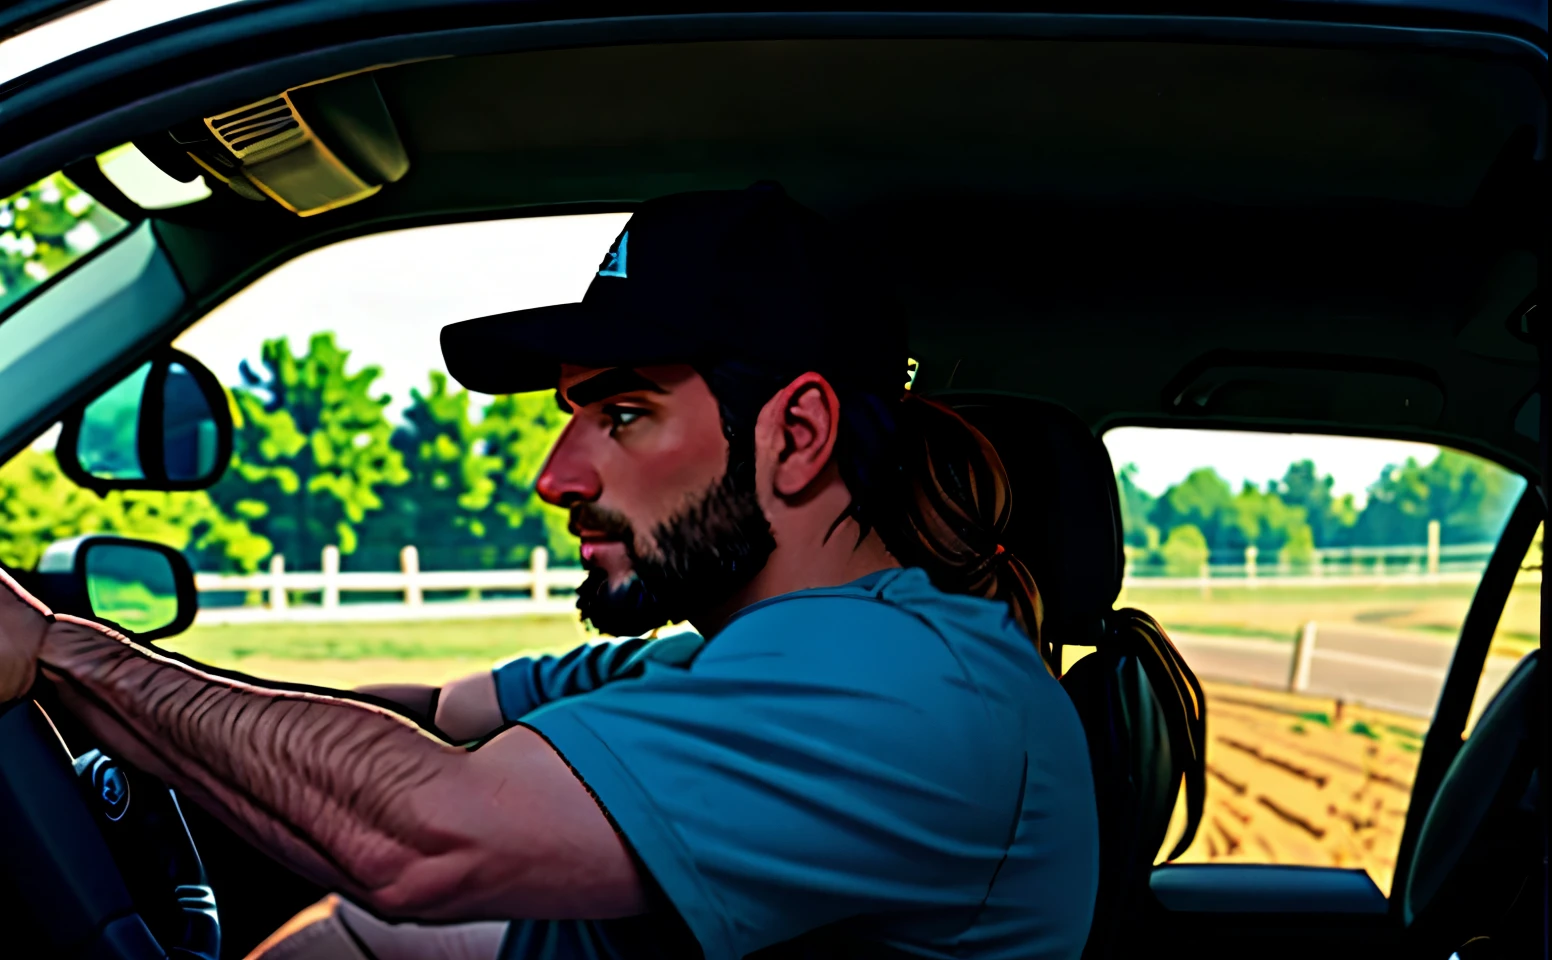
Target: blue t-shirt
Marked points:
876	769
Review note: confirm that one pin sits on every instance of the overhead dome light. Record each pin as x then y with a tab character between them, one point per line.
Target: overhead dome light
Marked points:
144	183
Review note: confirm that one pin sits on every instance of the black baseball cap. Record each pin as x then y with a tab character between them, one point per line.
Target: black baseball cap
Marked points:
742	275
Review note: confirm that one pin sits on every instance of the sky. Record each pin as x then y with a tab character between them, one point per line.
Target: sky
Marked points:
386	297
1166	456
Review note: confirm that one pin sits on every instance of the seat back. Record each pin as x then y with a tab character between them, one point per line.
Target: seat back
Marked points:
1141	706
1478	846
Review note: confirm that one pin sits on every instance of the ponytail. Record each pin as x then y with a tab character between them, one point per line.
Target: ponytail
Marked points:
954	509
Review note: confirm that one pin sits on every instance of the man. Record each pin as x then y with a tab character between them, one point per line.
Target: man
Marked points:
853	761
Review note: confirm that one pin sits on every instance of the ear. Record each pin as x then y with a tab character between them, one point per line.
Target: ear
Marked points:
807	416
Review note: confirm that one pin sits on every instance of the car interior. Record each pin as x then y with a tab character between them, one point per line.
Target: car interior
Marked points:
1279	223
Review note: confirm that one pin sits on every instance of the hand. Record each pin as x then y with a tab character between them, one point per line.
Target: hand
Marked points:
23	621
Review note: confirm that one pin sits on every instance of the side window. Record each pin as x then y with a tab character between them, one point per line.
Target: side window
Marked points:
377	522
1317	586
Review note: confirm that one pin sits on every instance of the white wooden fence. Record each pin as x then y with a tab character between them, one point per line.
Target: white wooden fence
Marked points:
409	582
549	589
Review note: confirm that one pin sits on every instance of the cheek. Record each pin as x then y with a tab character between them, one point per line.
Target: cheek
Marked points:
655	477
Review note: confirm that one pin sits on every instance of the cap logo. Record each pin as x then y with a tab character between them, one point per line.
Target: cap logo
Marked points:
614	260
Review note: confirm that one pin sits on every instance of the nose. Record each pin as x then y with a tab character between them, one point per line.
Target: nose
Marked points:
568	476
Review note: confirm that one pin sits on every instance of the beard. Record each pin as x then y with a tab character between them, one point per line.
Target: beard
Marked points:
695	560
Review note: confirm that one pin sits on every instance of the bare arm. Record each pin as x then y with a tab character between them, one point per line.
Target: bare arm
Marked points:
465	709
350	795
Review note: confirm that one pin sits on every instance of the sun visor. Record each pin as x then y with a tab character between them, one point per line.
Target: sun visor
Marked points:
1305	389
310	149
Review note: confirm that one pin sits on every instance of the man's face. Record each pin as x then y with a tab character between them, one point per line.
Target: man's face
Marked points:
665	530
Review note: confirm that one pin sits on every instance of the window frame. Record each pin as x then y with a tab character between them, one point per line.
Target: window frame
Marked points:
1443	740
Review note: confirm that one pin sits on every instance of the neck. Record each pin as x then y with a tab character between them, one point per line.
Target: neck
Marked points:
804	558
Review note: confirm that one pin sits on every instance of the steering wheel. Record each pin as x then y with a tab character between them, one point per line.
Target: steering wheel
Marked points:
102	863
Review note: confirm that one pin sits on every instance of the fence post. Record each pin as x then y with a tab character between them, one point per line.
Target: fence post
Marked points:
277	582
1303	651
1250	563
539	564
330	577
1433	547
1206	576
409	563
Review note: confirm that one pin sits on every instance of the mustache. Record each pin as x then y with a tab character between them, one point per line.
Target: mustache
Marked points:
599	521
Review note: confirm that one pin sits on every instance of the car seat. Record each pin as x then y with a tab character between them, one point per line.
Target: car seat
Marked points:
1141	706
1473	877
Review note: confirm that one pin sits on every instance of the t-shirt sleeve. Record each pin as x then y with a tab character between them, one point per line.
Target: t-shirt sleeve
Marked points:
822	758
524	684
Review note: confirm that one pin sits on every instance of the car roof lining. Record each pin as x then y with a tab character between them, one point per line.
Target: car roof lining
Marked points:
1085	243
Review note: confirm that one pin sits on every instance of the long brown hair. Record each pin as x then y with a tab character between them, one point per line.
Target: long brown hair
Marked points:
930	483
955	509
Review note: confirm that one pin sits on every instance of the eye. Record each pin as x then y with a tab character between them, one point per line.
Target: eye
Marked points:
622	416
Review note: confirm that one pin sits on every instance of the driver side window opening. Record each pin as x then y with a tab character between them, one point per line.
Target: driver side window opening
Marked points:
376	522
1317	586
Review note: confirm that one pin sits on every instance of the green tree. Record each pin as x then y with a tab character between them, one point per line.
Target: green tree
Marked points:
1299	549
1470	497
39	505
1136	506
44	228
519	430
1263	520
1185	551
312	452
1202	500
444	508
1330	518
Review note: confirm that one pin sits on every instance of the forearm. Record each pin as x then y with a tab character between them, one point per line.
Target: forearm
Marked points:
461	710
417	699
328	786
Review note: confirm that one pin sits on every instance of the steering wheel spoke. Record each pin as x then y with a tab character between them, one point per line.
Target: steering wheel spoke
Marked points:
99	854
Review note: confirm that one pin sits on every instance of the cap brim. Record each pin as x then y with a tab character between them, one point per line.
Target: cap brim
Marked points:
522	351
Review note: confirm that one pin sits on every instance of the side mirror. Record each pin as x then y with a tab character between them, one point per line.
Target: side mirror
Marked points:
166	426
145	588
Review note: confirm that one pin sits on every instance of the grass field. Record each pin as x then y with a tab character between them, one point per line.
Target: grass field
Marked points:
346	655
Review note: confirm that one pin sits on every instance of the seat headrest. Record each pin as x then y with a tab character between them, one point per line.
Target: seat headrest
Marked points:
1066	519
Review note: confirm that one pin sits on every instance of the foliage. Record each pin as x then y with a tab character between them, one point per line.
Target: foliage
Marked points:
1136	507
311	451
443	506
1204	501
1294	517
43	229
1184	552
1470	498
519	430
39	505
1330	518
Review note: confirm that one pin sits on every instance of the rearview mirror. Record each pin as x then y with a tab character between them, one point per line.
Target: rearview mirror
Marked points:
166	426
146	589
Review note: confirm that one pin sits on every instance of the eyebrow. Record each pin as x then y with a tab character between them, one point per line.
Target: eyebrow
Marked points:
602	386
